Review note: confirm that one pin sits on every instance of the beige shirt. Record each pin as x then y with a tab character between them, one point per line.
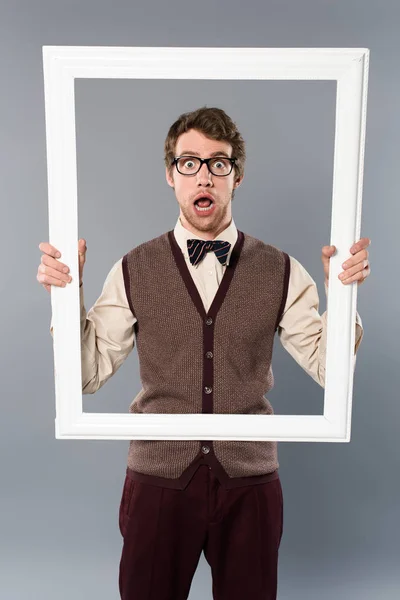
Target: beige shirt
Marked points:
107	333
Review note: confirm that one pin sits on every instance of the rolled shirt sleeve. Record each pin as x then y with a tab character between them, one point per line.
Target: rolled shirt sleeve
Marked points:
302	330
107	332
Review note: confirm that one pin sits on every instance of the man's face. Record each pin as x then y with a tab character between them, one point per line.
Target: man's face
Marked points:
204	224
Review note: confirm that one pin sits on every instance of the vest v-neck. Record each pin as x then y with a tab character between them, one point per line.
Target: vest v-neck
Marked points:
191	286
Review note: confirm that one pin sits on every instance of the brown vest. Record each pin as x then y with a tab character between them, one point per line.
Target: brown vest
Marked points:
193	361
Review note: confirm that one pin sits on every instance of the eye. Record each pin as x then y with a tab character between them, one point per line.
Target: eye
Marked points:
187	163
221	164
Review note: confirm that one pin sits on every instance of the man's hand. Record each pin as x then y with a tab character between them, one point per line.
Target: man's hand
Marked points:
356	268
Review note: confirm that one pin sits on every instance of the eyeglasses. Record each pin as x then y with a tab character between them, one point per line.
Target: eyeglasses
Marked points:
190	165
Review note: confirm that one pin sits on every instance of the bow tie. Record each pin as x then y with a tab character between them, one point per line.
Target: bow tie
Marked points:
197	250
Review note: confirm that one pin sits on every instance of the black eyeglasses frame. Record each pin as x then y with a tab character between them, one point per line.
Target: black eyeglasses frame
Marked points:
203	160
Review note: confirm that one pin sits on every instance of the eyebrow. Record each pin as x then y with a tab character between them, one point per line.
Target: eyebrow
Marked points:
216	153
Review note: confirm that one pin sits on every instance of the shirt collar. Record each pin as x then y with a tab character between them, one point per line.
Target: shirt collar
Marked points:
229	234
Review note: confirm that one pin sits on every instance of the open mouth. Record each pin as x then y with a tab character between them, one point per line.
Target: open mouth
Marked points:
204	205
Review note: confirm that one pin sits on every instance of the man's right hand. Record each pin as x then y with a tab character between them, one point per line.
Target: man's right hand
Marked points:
53	272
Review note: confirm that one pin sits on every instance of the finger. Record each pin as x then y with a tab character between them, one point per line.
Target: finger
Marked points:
49	280
359	275
54	263
49	249
362	243
47	274
350	263
353	270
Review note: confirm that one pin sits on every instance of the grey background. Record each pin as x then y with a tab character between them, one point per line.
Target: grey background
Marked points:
59	499
124	198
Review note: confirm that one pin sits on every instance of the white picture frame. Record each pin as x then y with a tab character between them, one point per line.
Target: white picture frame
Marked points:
349	67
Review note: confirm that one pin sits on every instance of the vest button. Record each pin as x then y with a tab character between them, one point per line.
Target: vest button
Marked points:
205	449
208	390
209	354
209	321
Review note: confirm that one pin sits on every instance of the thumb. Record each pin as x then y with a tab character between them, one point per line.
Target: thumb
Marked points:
82	248
328	251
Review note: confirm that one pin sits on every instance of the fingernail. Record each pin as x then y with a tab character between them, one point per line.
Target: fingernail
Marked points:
58	255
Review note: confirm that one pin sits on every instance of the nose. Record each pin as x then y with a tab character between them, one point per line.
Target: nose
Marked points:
204	175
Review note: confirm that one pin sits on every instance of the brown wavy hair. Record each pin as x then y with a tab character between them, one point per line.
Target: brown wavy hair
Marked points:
212	122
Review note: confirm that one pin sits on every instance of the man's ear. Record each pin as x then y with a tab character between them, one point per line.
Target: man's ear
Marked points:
169	179
239	181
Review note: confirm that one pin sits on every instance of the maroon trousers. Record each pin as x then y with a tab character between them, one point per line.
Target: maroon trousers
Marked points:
165	530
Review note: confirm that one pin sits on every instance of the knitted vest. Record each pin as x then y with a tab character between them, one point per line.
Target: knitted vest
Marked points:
193	361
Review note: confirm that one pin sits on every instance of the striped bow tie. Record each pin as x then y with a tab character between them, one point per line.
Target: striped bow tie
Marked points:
197	250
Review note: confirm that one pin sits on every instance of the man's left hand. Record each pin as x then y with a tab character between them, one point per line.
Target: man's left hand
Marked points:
356	268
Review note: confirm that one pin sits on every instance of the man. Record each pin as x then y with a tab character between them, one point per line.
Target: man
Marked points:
202	304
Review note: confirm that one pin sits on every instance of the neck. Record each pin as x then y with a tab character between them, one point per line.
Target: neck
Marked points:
209	234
